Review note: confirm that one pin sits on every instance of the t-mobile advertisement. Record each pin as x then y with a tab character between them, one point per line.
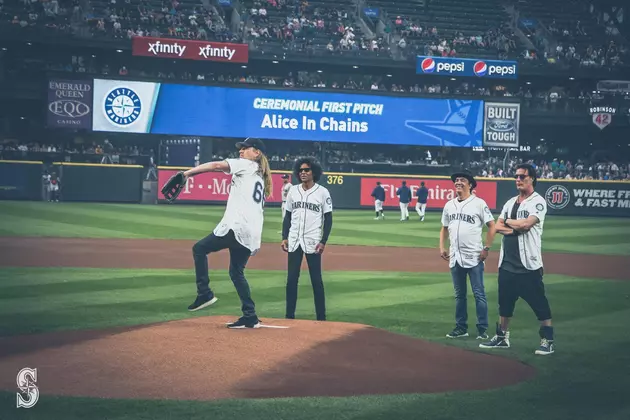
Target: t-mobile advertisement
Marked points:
212	187
440	191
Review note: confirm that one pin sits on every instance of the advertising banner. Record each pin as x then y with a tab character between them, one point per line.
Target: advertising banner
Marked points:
440	191
70	103
586	198
212	186
144	107
501	125
189	50
466	67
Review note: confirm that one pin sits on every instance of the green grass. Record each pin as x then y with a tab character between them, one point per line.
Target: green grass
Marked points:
603	236
586	379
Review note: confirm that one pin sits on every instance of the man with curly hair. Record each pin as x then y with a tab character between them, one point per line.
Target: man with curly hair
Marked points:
305	230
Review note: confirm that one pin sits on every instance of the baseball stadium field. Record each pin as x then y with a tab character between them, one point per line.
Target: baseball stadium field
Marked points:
94	296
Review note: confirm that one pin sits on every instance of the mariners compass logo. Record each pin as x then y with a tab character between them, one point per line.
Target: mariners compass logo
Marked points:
122	106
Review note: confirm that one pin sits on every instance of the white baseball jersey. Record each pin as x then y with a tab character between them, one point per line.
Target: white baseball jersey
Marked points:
244	210
285	191
529	243
307	216
465	221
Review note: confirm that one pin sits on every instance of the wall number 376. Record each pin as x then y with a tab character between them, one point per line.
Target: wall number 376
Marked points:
335	179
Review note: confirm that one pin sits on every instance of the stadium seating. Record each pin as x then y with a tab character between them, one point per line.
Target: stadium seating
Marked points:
320	27
471	29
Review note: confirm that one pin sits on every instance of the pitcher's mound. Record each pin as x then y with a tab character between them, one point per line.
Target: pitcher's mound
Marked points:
201	359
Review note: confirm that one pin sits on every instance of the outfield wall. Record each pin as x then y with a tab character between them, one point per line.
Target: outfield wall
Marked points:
21	180
353	191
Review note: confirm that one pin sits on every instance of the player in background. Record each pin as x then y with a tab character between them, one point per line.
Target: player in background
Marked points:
379	198
286	186
305	230
422	194
404	196
240	229
463	219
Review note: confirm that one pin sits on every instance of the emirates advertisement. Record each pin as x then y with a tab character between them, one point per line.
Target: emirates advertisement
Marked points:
212	186
440	191
189	50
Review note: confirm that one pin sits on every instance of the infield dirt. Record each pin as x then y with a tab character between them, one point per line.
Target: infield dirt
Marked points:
177	254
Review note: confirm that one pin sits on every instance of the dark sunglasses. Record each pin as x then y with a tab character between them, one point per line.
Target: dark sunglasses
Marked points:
305	170
521	177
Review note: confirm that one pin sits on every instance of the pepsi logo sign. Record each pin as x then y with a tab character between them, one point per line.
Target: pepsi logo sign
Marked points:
480	68
428	65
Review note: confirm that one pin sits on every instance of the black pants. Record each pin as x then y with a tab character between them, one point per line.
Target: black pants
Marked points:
528	286
315	270
239	255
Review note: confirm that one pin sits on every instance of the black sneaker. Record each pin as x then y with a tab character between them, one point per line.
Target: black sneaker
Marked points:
498	342
546	347
202	302
244	322
482	335
457	333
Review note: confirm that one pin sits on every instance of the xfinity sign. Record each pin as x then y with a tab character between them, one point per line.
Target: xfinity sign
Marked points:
443	66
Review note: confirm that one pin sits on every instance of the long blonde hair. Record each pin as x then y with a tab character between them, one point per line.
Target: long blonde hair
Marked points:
265	172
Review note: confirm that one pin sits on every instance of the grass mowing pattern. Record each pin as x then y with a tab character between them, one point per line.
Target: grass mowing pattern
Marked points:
351	227
585	379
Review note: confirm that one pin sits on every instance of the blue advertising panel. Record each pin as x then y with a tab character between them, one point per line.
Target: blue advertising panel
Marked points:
445	66
142	107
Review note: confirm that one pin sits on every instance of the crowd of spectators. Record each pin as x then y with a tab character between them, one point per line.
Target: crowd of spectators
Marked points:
580	169
51	14
416	38
298	26
98	152
125	19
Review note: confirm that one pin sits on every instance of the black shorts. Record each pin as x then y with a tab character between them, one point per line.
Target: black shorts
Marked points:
529	287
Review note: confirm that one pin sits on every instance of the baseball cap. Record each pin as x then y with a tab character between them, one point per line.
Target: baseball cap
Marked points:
465	174
285	176
251	142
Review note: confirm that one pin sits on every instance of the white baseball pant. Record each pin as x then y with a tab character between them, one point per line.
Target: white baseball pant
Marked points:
420	208
404	211
378	205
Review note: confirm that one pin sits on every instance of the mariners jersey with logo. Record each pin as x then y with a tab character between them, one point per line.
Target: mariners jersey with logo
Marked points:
307	216
529	243
244	210
465	221
285	190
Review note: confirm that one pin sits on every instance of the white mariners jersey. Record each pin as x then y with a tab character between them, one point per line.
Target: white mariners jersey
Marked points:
529	243
244	209
307	216
285	191
465	221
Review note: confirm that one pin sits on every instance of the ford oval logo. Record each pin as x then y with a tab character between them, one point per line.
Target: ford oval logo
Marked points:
502	125
69	108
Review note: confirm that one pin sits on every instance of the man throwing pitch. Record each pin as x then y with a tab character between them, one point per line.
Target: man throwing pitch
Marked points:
305	230
520	261
463	219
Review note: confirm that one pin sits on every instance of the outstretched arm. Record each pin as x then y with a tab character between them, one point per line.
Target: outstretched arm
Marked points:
218	166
